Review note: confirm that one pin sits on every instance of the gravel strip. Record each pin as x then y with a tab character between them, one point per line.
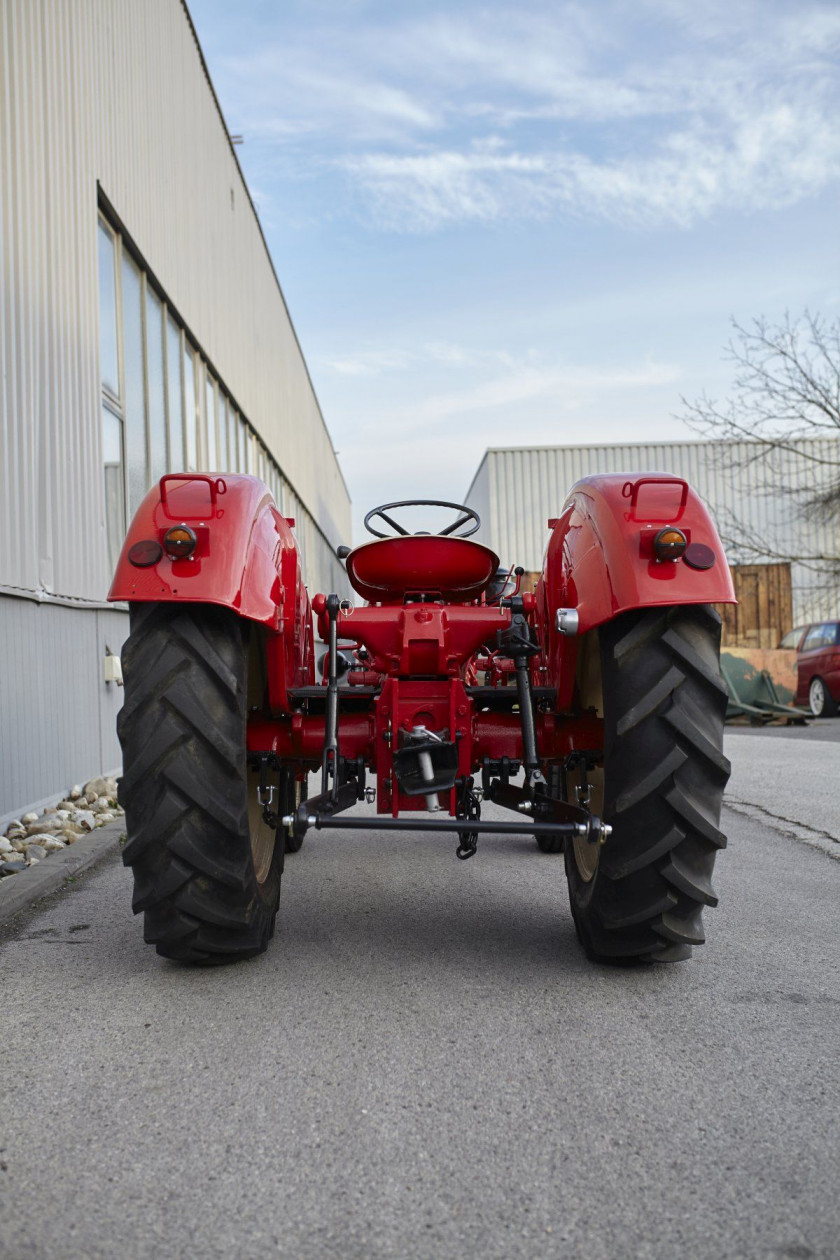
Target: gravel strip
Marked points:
45	877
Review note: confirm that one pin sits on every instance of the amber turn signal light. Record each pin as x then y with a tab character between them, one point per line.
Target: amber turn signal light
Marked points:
146	553
669	543
179	541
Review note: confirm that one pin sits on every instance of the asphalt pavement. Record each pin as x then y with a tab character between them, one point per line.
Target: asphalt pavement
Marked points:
425	1065
790	782
823	730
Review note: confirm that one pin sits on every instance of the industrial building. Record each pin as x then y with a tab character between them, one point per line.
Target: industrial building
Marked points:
142	330
755	504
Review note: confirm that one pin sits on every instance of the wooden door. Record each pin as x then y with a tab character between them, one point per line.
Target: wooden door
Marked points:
764	611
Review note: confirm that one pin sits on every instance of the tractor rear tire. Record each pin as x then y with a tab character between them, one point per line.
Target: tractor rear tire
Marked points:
207	868
640	896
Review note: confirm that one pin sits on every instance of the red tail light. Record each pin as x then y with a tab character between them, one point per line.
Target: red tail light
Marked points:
180	541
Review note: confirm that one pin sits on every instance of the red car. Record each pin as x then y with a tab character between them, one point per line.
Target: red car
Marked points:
817	666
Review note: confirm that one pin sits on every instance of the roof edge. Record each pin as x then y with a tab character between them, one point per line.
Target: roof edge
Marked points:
246	190
588	446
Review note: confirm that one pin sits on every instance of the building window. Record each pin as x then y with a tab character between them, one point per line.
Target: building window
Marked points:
114	483
190	427
224	432
113	458
134	392
175	395
156	387
241	439
108	332
163	409
212	461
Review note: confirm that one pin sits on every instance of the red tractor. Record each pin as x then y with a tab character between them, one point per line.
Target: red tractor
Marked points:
591	708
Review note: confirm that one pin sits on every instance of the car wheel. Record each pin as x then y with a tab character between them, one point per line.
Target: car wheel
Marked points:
819	699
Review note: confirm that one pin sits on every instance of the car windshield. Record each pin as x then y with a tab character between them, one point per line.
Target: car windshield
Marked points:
792	638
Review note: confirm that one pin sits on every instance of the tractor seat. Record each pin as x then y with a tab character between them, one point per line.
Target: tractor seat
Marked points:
389	569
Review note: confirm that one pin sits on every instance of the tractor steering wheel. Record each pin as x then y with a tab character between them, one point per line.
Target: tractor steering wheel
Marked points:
383	509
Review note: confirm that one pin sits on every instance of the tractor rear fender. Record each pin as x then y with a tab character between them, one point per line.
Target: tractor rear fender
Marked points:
246	558
600	560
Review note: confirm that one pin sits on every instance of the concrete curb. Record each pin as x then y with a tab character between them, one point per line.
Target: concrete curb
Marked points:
19	891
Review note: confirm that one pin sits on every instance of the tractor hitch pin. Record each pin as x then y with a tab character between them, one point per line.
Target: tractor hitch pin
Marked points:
427	773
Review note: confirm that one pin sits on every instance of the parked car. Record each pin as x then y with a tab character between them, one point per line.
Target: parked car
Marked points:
817	666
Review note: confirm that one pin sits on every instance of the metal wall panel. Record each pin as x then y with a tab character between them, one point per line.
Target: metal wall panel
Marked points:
516	490
114	94
57	715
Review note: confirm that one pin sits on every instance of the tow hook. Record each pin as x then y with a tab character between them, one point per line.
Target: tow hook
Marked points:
266	790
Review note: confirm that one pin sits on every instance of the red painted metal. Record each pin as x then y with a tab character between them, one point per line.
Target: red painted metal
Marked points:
300	737
246	559
427	639
600	560
391	568
442	705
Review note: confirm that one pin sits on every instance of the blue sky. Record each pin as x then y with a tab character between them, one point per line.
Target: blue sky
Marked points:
511	225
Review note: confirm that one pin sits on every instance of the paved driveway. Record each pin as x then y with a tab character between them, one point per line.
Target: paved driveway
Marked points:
425	1065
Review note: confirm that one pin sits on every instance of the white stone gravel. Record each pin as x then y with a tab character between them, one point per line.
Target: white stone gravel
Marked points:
33	838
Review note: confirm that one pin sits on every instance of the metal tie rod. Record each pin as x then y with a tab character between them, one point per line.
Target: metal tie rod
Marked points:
322	822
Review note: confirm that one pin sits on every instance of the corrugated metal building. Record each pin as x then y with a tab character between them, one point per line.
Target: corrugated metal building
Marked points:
142	329
516	490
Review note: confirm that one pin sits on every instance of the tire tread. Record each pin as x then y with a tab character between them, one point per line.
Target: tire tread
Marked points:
665	772
184	790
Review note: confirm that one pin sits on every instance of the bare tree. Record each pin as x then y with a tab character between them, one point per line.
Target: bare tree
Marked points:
786	387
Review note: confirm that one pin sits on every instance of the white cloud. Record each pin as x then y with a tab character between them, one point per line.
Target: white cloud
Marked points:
660	112
525	382
763	160
369	362
514	380
381	360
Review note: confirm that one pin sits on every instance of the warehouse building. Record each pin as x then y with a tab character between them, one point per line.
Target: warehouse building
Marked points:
142	330
753	501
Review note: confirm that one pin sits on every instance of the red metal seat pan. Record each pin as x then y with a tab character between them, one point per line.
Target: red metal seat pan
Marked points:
391	568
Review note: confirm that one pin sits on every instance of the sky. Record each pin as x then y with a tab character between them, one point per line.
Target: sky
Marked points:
513	225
